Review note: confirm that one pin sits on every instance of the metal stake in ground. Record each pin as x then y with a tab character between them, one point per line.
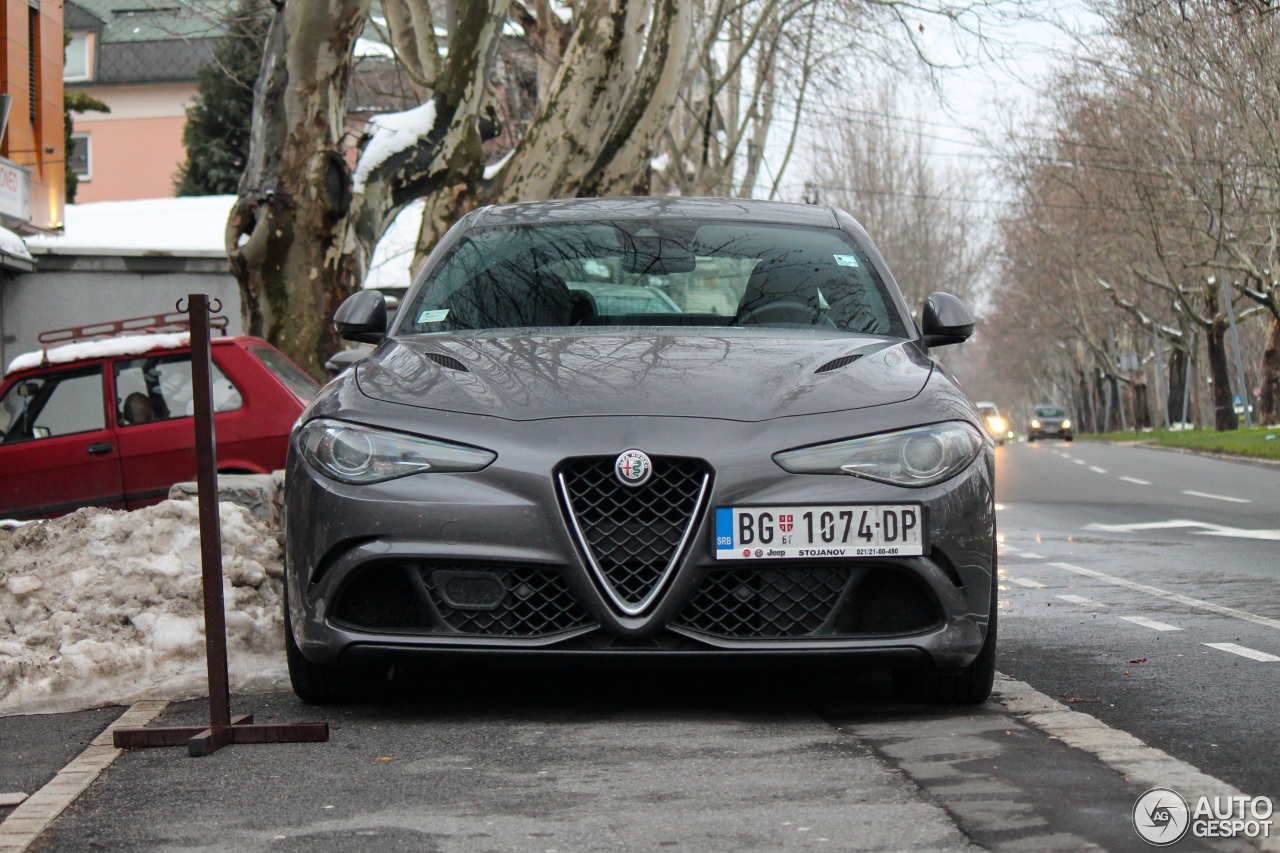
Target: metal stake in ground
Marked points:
223	729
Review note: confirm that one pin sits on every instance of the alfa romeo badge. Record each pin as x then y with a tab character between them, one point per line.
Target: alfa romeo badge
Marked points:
633	467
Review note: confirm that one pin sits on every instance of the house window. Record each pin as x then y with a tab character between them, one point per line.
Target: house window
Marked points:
76	66
78	157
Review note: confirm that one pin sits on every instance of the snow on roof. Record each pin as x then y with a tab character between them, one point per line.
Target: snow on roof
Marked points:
392	262
391	134
103	348
192	226
11	244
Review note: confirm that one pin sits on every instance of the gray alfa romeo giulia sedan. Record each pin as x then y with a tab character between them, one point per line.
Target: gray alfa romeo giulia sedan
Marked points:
678	428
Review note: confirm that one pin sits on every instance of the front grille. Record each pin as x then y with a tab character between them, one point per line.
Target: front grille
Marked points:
817	599
632	534
478	599
892	602
529	602
380	598
790	601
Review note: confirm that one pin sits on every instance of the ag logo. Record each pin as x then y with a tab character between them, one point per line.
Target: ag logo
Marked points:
1161	816
633	467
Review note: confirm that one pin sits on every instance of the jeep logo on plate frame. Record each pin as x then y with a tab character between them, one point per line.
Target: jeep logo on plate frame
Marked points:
633	467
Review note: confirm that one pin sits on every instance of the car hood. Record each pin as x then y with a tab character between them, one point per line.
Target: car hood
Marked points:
733	374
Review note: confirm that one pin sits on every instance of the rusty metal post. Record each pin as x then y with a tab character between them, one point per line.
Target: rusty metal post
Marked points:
215	620
223	728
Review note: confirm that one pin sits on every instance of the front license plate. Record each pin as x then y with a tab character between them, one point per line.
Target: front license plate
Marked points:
773	532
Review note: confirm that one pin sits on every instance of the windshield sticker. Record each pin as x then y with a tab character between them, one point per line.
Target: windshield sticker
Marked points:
436	315
846	260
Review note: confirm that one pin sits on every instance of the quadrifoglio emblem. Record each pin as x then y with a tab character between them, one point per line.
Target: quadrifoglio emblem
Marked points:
633	467
1161	816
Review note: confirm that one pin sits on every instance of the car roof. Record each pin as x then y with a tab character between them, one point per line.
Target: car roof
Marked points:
715	209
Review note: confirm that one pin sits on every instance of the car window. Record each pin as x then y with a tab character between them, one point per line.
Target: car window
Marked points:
654	273
1048	412
54	404
160	387
302	385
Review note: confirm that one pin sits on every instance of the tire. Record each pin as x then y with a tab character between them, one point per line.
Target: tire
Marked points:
314	683
968	686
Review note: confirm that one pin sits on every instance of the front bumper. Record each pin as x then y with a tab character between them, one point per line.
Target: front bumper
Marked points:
488	562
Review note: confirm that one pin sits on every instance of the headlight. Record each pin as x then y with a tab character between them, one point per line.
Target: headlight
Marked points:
1066	423
357	454
996	423
1035	424
916	457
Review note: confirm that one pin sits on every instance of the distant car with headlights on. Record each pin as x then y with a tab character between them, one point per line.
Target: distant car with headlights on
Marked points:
995	423
1049	421
518	469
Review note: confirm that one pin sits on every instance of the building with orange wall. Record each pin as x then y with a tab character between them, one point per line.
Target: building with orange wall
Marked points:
32	162
143	61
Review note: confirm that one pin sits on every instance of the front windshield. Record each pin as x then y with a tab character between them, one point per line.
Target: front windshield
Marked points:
1050	413
654	273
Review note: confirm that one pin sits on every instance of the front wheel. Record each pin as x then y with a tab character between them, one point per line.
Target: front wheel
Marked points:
968	686
314	683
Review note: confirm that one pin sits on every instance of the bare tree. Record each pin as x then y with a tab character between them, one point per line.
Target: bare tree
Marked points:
610	75
916	207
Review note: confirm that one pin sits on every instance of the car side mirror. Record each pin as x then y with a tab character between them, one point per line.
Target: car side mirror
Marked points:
946	320
362	317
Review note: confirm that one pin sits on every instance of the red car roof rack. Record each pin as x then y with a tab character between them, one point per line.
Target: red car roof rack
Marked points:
148	325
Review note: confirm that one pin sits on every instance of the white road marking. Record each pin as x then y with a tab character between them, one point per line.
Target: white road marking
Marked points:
1244	652
25	823
1136	481
1009	549
1079	462
1217	497
1095	469
1027	555
1028	583
1206	529
1145	766
1082	601
1150	623
1171	596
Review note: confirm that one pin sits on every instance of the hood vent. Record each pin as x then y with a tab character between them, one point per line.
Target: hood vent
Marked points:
837	363
447	361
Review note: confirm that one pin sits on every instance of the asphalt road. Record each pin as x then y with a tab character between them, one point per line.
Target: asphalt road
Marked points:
1120	565
1143	587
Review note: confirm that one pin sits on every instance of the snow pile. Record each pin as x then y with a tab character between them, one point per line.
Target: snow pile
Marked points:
104	607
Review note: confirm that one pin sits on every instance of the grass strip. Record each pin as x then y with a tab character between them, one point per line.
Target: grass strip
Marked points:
1262	442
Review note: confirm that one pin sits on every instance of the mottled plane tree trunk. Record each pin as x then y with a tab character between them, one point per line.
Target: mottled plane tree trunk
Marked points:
303	228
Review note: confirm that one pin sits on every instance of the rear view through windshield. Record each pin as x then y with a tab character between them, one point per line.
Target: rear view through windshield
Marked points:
652	273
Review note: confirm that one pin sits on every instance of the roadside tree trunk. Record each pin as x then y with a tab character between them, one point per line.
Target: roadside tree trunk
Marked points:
1224	413
1269	402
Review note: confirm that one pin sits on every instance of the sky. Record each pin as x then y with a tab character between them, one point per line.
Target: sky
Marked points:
104	607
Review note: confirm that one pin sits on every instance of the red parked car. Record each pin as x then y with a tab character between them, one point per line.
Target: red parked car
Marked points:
106	419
